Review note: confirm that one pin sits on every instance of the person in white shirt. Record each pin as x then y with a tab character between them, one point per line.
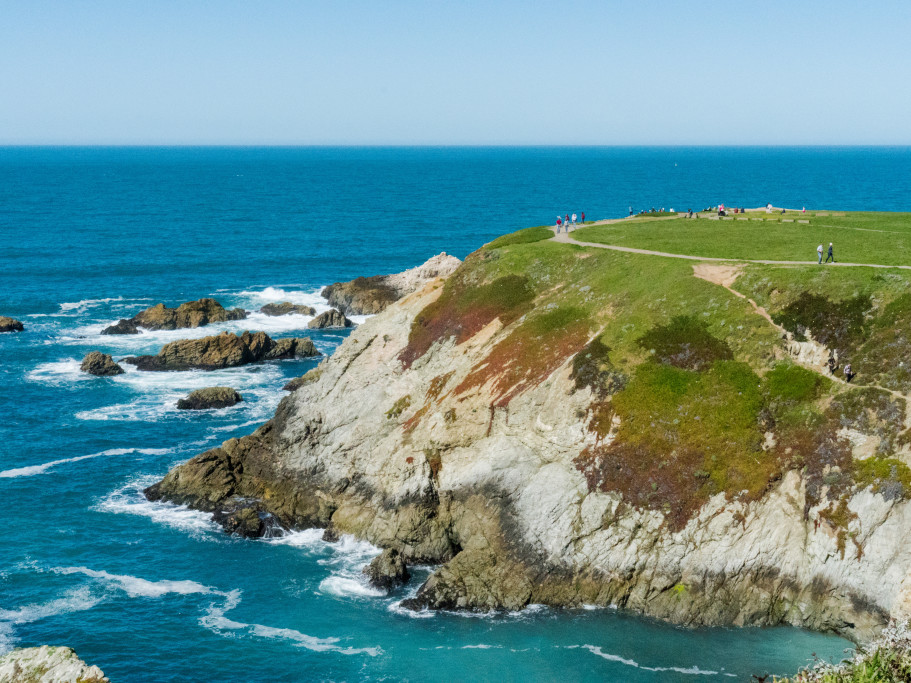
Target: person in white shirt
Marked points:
819	252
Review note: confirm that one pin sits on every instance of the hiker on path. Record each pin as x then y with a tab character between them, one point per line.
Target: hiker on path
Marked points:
559	223
849	374
819	252
574	219
833	366
583	218
831	255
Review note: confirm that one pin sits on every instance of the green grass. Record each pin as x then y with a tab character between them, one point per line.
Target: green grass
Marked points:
881	238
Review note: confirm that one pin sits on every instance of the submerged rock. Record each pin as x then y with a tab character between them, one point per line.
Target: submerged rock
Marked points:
224	350
47	664
287	308
188	315
10	324
101	364
210	397
370	295
387	570
331	318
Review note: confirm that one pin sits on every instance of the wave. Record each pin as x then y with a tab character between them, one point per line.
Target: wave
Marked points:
129	500
81	306
32	470
77	600
692	670
216	621
136	587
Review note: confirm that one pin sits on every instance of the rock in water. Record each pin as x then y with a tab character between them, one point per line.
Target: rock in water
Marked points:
370	295
387	570
123	326
10	324
101	364
190	314
210	397
47	664
331	318
286	308
224	350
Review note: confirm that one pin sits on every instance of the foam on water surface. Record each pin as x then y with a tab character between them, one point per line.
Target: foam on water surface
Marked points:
32	470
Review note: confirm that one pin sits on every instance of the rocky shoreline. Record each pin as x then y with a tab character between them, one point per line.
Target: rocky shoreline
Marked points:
47	664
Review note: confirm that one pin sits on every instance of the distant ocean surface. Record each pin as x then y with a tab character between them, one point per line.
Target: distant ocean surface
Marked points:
155	592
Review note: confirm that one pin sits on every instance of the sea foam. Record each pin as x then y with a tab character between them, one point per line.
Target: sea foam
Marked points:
32	470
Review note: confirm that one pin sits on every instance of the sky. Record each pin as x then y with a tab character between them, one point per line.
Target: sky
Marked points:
405	72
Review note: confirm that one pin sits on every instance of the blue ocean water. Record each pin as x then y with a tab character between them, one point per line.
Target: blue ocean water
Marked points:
154	592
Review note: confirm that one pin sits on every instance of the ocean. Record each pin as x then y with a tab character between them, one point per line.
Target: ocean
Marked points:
156	592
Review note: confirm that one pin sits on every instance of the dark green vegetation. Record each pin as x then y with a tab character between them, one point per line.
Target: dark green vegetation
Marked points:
883	238
692	394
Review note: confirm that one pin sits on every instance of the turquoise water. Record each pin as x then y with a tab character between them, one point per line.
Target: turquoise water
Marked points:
154	592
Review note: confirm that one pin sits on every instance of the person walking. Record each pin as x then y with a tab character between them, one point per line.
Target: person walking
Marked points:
574	219
559	223
819	252
831	254
849	374
583	218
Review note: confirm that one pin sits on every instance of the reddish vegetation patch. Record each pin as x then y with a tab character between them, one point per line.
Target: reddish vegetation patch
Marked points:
437	384
530	353
464	309
412	422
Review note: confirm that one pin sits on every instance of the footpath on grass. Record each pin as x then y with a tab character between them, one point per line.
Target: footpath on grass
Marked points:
567	238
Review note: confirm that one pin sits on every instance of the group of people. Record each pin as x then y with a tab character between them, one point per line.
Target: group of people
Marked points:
833	366
567	220
830	257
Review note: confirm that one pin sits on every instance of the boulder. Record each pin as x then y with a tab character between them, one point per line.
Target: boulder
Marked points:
10	324
210	397
223	350
370	295
190	314
387	570
331	318
101	364
287	308
47	664
123	326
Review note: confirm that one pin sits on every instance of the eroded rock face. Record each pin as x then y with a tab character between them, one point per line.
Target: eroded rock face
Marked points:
387	570
101	364
210	397
10	324
224	350
406	459
287	308
190	314
331	318
47	664
370	295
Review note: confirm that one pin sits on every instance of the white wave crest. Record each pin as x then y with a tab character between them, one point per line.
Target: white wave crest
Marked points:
693	670
32	470
80	306
129	500
77	600
136	587
216	621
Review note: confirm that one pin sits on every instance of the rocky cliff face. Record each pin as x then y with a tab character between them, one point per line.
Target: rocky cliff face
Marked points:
47	665
526	426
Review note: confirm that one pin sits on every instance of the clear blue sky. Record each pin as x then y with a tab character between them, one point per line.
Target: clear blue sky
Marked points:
409	72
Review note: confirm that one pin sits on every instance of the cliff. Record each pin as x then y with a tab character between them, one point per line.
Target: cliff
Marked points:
47	665
569	425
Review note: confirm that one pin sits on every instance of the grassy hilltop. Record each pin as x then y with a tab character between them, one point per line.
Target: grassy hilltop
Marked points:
695	392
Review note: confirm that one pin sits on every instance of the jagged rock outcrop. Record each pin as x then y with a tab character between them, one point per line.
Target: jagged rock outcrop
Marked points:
101	364
370	295
331	318
190	314
10	324
47	664
210	397
480	427
387	570
287	308
224	350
